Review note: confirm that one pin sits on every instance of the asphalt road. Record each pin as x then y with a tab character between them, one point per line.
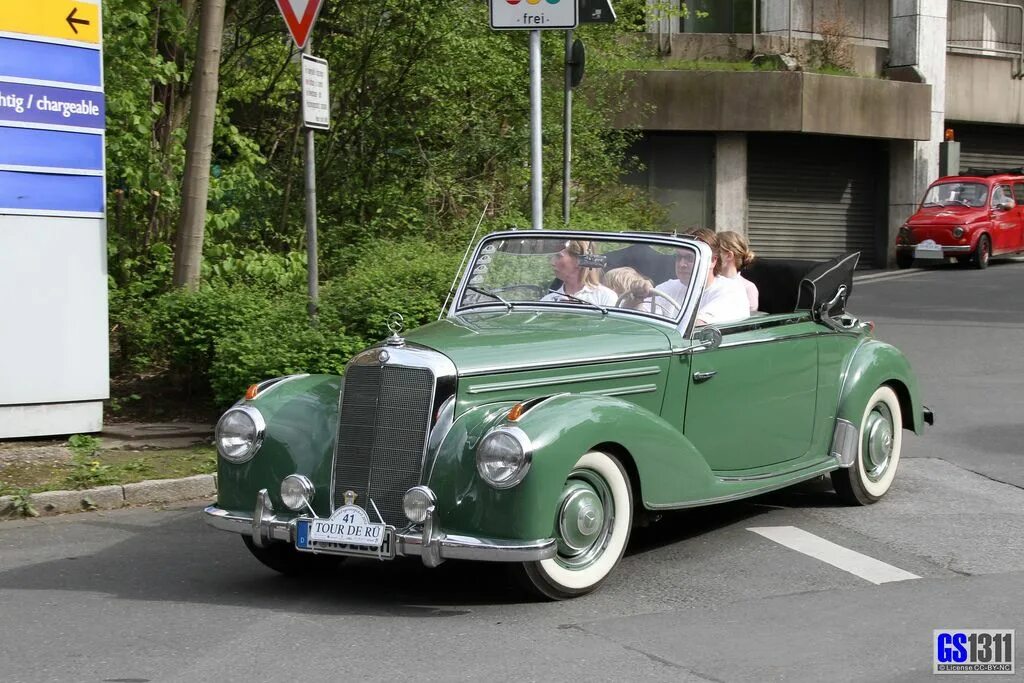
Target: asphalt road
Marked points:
147	595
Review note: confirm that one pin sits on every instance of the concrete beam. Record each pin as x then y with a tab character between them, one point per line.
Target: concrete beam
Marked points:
776	101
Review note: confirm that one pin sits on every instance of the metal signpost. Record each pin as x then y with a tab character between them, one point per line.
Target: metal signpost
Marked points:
534	16
53	279
299	17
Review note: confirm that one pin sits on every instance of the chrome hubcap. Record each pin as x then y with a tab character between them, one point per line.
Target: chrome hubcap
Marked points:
585	515
878	441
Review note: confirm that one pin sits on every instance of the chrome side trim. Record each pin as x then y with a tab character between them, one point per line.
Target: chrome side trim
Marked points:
490	370
752	342
624	391
409	542
844	443
564	379
817	470
266	385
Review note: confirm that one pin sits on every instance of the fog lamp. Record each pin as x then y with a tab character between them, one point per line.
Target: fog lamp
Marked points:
416	502
296	492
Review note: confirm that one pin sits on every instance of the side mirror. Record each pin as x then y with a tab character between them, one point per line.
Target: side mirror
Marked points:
707	338
1005	206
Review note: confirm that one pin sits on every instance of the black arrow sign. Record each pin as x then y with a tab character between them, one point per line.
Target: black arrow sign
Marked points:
72	21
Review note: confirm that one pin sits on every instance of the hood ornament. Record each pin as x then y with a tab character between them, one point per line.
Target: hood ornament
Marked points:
396	323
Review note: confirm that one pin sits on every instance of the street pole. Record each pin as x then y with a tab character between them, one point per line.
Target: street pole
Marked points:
313	270
536	161
567	127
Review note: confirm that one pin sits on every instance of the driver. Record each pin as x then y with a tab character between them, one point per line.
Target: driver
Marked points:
580	280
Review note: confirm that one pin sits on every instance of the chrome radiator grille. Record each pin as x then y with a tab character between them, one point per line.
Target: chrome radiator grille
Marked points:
382	431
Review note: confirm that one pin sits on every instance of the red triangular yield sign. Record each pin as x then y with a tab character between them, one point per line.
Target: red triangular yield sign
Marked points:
299	17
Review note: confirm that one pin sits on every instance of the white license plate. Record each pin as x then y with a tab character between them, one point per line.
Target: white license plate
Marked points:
306	539
928	249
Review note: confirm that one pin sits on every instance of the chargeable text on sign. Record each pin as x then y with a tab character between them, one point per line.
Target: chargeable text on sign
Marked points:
55	106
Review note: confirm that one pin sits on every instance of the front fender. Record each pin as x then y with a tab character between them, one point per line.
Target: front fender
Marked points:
871	365
668	468
302	422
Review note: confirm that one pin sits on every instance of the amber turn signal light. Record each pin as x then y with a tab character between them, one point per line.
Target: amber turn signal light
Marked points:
516	412
251	392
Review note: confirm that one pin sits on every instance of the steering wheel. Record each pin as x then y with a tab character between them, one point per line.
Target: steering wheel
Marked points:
653	294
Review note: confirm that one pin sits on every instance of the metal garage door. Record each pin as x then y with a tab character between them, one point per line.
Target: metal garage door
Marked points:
990	146
813	196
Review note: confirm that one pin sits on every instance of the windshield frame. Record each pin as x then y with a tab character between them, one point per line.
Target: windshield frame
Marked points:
687	311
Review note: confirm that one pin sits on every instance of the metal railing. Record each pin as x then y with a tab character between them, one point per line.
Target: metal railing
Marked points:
989	28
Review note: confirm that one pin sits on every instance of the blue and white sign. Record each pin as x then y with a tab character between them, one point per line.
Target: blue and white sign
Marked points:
52	120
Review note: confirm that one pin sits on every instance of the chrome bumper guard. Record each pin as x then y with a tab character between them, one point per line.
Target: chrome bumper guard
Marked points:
946	248
428	541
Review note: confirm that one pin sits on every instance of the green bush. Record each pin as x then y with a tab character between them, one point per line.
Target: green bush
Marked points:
410	277
280	341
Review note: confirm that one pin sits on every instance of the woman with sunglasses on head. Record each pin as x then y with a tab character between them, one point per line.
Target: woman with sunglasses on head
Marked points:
577	267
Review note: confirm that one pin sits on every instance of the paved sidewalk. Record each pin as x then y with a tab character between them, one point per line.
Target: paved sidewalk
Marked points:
126	435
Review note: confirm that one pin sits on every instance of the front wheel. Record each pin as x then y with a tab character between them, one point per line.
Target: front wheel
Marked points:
285	559
592	525
982	253
878	451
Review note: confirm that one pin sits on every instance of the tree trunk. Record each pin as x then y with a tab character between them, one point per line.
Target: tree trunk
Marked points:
195	186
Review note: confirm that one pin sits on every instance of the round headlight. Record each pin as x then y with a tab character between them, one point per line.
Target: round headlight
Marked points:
503	457
296	492
416	502
959	231
905	232
239	434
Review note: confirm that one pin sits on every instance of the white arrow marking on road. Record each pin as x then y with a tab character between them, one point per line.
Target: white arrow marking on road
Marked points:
848	560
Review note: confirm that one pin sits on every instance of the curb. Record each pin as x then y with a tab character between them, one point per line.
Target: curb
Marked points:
50	503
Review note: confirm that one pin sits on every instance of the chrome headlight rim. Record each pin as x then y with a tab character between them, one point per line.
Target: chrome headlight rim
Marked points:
959	231
525	445
259	432
428	497
306	491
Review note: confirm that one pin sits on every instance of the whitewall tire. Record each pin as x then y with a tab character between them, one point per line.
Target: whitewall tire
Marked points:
878	451
593	520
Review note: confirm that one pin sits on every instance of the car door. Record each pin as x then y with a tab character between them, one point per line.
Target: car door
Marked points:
1017	239
751	401
1005	223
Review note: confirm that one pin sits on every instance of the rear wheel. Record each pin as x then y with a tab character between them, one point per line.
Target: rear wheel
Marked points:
878	451
594	518
285	559
982	253
904	259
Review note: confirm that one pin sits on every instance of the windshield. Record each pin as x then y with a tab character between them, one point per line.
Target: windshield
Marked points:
596	273
956	194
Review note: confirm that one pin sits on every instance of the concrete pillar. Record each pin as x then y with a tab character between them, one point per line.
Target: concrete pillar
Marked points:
731	182
917	39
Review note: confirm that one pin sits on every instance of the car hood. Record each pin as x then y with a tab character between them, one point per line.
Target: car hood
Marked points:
946	216
492	341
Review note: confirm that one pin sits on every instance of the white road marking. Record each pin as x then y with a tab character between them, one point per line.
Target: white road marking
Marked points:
865	567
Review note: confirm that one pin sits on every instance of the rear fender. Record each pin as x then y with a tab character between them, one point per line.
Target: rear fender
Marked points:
561	429
873	364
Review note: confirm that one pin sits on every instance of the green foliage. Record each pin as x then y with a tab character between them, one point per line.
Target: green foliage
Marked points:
83	446
87	472
21	503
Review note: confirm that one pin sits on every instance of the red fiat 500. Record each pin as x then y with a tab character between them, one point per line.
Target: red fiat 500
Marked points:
971	217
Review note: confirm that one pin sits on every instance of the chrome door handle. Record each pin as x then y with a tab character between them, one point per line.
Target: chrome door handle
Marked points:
699	377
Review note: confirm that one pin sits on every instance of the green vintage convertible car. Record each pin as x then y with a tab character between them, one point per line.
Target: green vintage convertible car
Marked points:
545	413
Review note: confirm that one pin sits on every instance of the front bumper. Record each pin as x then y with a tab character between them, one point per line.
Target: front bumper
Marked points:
947	249
427	540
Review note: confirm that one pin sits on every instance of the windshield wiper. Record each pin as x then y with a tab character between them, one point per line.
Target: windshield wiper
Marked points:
604	311
487	292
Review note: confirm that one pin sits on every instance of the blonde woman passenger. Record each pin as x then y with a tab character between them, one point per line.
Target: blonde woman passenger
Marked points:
582	281
630	287
736	255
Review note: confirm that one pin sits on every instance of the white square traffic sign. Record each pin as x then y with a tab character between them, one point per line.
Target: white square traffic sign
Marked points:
533	14
316	97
